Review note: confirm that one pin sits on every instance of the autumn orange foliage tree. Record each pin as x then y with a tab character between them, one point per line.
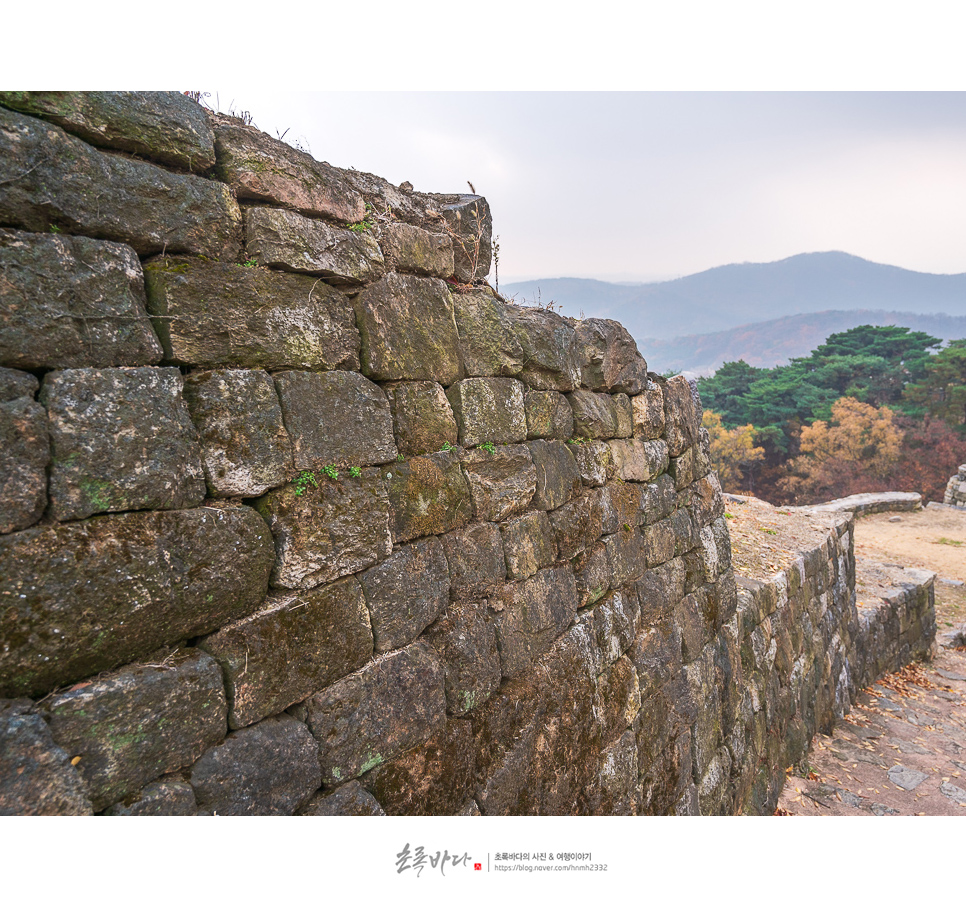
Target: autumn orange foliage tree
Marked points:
733	451
858	450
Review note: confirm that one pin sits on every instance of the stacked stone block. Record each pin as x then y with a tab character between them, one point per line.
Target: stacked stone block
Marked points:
300	517
956	488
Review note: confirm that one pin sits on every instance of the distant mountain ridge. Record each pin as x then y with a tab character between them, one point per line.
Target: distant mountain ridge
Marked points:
739	294
770	343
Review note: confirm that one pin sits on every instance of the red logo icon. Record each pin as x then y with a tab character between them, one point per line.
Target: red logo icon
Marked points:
477	867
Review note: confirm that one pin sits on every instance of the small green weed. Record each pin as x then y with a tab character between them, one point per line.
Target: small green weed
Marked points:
488	447
447	447
947	542
355	471
303	480
55	229
251	262
729	516
330	471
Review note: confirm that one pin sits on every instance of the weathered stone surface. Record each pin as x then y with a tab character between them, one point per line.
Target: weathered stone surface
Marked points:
595	415
706	502
348	800
578	524
532	613
681	469
548	415
325	529
143	721
72	302
159	799
408	330
500	483
259	167
294	645
339	418
623	506
414	250
488	338
24	455
627	553
36	777
682	415
214	315
268	769
593	574
393	705
14	385
488	410
433	779
427	495
609	359
167	127
550	359
620	699
618	778
615	623
528	544
245	449
684	534
89	596
659	499
624	416
49	178
421	415
593	461
648	409
465	641
406	592
290	241
475	558
120	439
558	479
637	460
471	227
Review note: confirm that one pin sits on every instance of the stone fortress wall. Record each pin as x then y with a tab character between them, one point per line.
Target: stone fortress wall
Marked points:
298	516
955	494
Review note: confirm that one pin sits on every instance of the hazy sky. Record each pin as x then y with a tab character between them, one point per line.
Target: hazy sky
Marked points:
651	185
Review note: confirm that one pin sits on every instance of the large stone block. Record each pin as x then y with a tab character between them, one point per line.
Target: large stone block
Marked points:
49	178
488	410
532	613
86	597
290	241
421	415
24	455
14	385
167	127
682	416
259	167
245	449
339	418
348	800
609	359
627	553
475	558
465	641
408	330
268	769
36	776
414	250
558	479
406	593
166	798
434	779
120	439
637	460
549	415
71	303
648	407
227	315
578	524
593	574
393	705
142	721
294	645
594	461
595	415
501	483
550	358
427	495
528	544
488	338
325	529
470	225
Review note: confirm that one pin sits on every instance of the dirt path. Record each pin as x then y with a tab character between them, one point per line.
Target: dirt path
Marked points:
902	749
